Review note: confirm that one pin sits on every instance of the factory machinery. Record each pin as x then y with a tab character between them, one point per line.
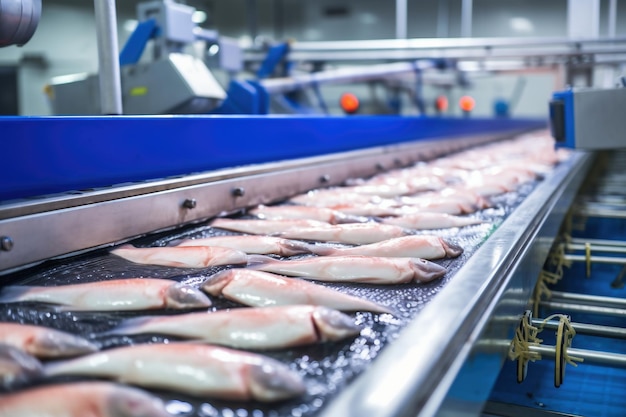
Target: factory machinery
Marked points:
79	186
538	288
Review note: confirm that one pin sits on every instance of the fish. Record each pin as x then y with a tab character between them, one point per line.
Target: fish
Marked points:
334	196
190	368
249	328
415	246
429	221
111	295
183	257
253	244
82	399
265	227
43	342
17	367
322	214
353	233
263	289
364	269
374	210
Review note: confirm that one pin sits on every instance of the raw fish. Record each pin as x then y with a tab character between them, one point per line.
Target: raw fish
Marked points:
190	368
262	289
184	257
112	295
261	245
82	399
17	366
250	328
43	342
353	233
265	227
416	246
322	214
429	221
367	269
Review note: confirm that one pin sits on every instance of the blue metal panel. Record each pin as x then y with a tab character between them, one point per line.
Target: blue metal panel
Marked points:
136	43
567	98
42	155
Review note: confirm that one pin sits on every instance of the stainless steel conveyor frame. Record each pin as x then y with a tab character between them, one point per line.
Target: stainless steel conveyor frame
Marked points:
415	374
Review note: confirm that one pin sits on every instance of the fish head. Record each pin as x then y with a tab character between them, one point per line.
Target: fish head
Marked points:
17	367
182	296
333	325
452	249
426	271
215	284
271	380
55	344
133	402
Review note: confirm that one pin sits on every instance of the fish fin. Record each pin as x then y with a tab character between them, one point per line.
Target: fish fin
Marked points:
18	367
322	250
294	247
258	260
128	326
13	293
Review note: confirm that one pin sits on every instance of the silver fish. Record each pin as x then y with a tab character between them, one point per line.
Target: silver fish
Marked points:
250	328
43	342
82	399
430	221
189	368
183	257
263	289
415	246
367	269
17	366
111	295
322	214
260	245
353	233
265	227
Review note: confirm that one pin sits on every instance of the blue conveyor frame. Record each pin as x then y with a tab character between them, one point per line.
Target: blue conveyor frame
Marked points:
45	155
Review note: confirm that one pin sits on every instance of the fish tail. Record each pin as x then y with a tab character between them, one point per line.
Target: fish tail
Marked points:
14	293
256	261
133	325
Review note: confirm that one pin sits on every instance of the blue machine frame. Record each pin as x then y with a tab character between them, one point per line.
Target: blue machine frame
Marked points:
44	155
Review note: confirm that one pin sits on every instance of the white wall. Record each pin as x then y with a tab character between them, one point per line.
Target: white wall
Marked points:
66	36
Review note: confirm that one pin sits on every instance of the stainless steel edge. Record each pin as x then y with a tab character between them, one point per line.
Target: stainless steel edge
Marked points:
414	374
61	225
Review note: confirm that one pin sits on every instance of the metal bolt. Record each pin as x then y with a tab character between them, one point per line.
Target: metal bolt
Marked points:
190	203
238	192
398	162
380	167
6	243
325	178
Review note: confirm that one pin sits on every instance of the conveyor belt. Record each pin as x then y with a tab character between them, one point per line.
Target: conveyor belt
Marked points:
423	345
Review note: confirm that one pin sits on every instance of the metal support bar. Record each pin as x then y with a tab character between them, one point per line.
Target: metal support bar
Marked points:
108	57
595	259
585	328
577	308
401	19
596	248
609	213
599	242
589	356
589	299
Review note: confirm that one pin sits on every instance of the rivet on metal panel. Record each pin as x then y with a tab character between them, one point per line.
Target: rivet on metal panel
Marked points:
380	167
398	162
238	192
190	203
6	243
324	179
